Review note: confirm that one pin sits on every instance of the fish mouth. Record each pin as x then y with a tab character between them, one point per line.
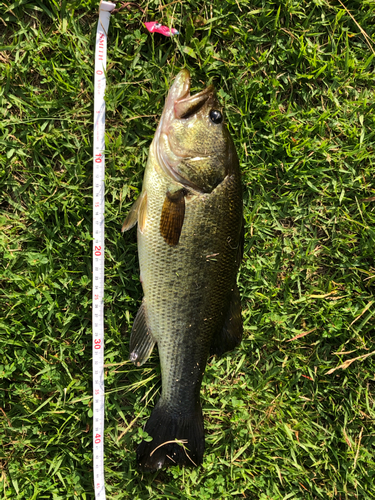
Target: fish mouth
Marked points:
191	104
179	105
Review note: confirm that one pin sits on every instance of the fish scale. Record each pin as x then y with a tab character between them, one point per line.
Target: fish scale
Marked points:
188	271
179	277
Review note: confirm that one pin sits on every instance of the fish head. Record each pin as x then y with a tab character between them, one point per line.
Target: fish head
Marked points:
192	143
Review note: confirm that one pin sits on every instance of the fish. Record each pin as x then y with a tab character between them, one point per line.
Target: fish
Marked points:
190	245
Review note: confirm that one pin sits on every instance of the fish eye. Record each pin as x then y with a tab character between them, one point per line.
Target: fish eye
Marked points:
216	116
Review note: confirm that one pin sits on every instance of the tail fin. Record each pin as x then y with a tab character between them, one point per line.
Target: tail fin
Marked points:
178	439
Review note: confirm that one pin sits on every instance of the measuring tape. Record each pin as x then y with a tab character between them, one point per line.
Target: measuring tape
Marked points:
105	10
98	248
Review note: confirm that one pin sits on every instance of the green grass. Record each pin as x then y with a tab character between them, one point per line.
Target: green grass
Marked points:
297	80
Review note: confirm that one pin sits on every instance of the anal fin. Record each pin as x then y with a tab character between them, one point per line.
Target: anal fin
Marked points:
141	339
231	334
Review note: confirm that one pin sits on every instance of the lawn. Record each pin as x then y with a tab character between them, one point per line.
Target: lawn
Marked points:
290	413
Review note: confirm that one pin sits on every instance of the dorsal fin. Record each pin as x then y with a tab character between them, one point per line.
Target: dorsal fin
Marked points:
231	334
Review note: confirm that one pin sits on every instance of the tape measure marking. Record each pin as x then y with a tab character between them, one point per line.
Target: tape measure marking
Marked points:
98	248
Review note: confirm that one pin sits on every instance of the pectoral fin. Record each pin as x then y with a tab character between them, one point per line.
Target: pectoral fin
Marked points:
137	213
141	339
231	334
172	216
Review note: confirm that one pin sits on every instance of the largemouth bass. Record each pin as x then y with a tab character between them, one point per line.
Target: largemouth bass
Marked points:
190	224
